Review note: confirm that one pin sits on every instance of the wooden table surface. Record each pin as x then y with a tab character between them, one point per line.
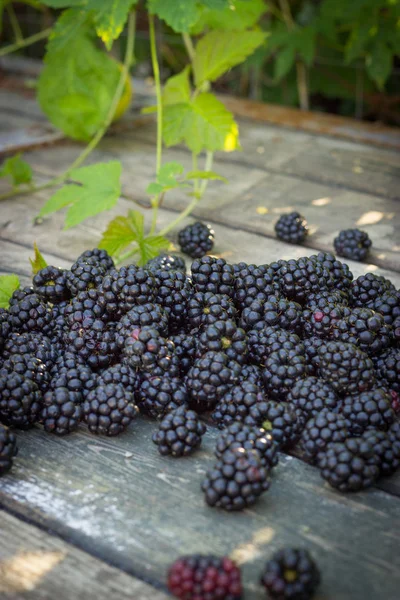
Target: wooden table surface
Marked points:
88	517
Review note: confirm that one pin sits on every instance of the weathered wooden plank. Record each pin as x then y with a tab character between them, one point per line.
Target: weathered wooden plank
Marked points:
139	511
38	566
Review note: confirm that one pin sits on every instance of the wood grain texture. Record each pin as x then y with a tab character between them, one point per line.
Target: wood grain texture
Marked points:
37	566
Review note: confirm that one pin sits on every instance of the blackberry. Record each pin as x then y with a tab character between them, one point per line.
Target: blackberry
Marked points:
158	396
59	322
301	277
101	257
292	228
179	433
352	243
214	275
262	342
30	314
5	327
21	294
34	343
198	577
341	276
311	395
251	374
87	304
322	313
236	480
205	308
146	350
71	373
29	367
224	336
144	315
109	409
372	409
120	374
347	368
311	347
20	400
278	312
281	420
351	465
236	403
291	574
196	240
62	411
166	262
185	350
174	292
281	370
323	428
385	449
239	435
94	340
367	288
252	283
8	449
364	328
210	378
388	305
84	276
51	284
127	287
387	368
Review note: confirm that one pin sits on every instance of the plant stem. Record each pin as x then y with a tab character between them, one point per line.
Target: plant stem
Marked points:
157	80
195	168
32	39
128	254
14	23
207	167
189	46
180	218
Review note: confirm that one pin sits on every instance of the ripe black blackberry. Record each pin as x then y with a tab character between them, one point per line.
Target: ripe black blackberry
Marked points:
166	262
120	374
388	305
387	450
249	437
251	374
197	577
97	255
210	378
302	277
311	395
21	294
20	400
50	284
368	410
276	311
179	433
341	276
109	409
84	276
367	288
8	449
61	411
291	228
236	480
387	368
71	372
282	368
185	349
94	340
262	342
5	327
323	428
196	240
345	367
291	574
34	343
29	367
322	311
252	283
86	304
158	396
352	243
311	347
144	315
351	465
127	287
281	420
365	328
236	403
146	350
224	336
205	308
214	275
30	314
174	292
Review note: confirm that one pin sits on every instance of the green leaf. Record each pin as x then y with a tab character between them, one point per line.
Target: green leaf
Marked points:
151	246
37	262
180	15
166	179
19	170
120	233
304	41
217	52
177	88
209	175
110	17
236	15
71	24
99	191
8	285
284	62
63	3
379	63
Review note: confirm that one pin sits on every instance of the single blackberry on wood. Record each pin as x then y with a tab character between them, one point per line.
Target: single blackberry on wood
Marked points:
224	336
198	577
311	395
94	340
84	276
120	374
323	428
276	311
51	284
97	255
158	396
196	240
109	409
20	400
5	327
166	262
236	403
62	411
179	433
291	574
281	420
262	342
174	292
210	378
352	243
301	277
291	228
127	287
367	288
345	367
387	450
144	315
341	276
185	349
8	449
146	350
281	370
30	314
214	275
34	343
205	308
387	368
364	328
236	480
368	410
252	283
249	437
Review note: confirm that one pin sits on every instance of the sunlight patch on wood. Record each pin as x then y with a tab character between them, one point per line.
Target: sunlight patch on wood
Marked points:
321	201
249	551
24	571
371	217
262	210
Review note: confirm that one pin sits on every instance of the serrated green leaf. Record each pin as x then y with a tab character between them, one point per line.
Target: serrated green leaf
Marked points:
218	51
19	170
168	172
177	88
119	235
150	247
154	189
99	190
284	62
180	15
8	285
236	15
37	262
110	17
210	175
379	63
137	223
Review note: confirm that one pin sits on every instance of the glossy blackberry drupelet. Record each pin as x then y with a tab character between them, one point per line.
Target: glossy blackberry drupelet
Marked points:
61	411
121	374
341	276
387	368
5	327
147	351
236	403
174	292
301	277
311	395
369	410
8	449
224	336
97	256
165	262
196	240
367	288
93	340
322	312
345	367
281	420
386	449
158	396
127	287
179	433
33	343
144	315
365	328
20	400
236	480
185	350
282	368
199	577
109	409
252	283
50	284
84	276
323	428
276	311
205	308
352	243
214	275
249	437
262	342
351	465
30	314
292	228
210	378
291	574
